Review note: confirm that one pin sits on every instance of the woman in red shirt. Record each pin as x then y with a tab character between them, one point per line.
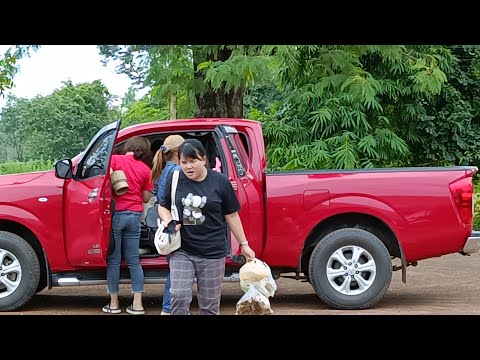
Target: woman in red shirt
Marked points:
126	223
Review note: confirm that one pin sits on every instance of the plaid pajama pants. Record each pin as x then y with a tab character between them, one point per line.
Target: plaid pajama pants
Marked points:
184	267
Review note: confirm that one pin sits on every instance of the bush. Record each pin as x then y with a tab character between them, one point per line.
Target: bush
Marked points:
27	166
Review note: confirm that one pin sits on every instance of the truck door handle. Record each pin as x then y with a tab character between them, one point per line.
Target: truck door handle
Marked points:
92	195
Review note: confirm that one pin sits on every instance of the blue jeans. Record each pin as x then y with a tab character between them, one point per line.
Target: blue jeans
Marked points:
166	293
126	232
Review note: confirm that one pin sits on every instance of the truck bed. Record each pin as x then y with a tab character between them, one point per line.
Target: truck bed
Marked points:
416	203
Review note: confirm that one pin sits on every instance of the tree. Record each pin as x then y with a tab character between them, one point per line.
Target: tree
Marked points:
450	127
332	106
143	111
208	81
351	106
8	64
58	125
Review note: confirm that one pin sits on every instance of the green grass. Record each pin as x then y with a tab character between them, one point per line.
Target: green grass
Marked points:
27	166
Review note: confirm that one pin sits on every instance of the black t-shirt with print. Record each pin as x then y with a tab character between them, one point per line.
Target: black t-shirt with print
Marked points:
202	206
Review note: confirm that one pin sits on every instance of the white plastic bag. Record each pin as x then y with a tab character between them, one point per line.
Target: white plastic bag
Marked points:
254	270
253	303
258	274
257	281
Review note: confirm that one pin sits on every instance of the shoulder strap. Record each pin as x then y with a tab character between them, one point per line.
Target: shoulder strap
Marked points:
174	210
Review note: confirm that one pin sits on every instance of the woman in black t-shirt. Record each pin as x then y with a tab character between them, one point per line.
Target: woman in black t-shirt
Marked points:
207	203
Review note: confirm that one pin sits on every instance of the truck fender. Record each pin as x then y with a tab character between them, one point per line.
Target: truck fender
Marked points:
25	218
369	206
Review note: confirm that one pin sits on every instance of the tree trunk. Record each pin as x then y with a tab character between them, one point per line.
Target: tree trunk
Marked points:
211	103
173	107
234	100
18	149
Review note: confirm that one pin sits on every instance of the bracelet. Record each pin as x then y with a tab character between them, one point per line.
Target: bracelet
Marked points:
243	243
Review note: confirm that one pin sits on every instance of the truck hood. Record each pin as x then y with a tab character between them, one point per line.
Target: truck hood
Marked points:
16	179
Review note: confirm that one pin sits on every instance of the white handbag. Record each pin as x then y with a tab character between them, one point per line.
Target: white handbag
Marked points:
167	243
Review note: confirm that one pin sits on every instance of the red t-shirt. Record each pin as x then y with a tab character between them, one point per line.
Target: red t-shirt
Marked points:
138	178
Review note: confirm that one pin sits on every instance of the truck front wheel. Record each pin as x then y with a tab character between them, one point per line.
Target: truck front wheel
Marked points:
19	271
350	269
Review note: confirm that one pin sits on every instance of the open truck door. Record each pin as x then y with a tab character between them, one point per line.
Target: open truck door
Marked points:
87	200
247	188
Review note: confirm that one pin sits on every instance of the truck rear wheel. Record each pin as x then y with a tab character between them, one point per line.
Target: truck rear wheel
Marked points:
350	269
19	271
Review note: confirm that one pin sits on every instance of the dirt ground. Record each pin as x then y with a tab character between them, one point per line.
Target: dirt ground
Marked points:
445	285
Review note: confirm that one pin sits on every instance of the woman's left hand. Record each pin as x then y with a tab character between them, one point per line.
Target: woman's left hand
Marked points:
248	252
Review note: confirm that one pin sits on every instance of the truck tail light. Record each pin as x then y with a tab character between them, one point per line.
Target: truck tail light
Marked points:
462	193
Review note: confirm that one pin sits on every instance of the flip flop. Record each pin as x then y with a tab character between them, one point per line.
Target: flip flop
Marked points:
107	309
132	311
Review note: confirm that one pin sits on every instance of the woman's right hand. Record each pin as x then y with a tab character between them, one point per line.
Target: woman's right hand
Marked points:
248	252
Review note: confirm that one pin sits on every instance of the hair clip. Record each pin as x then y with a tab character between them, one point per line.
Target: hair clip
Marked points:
163	148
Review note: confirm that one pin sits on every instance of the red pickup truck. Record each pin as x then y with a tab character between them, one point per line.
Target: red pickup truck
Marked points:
339	229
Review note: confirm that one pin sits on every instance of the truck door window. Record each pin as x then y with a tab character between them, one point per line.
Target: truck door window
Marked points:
237	156
96	161
242	149
244	142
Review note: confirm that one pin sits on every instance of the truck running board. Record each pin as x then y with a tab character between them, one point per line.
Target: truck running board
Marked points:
74	281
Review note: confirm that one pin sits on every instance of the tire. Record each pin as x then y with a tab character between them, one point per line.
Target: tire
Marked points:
20	269
355	283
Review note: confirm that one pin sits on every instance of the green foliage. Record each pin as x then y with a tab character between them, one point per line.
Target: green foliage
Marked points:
166	70
8	64
143	111
7	72
27	166
263	95
236	72
177	74
171	76
58	125
351	106
450	127
324	106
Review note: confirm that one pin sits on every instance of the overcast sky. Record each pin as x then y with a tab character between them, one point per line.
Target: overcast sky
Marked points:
45	69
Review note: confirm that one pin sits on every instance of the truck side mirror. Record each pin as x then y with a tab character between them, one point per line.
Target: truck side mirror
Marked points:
63	169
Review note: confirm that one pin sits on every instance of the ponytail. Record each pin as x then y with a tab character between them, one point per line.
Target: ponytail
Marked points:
157	165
